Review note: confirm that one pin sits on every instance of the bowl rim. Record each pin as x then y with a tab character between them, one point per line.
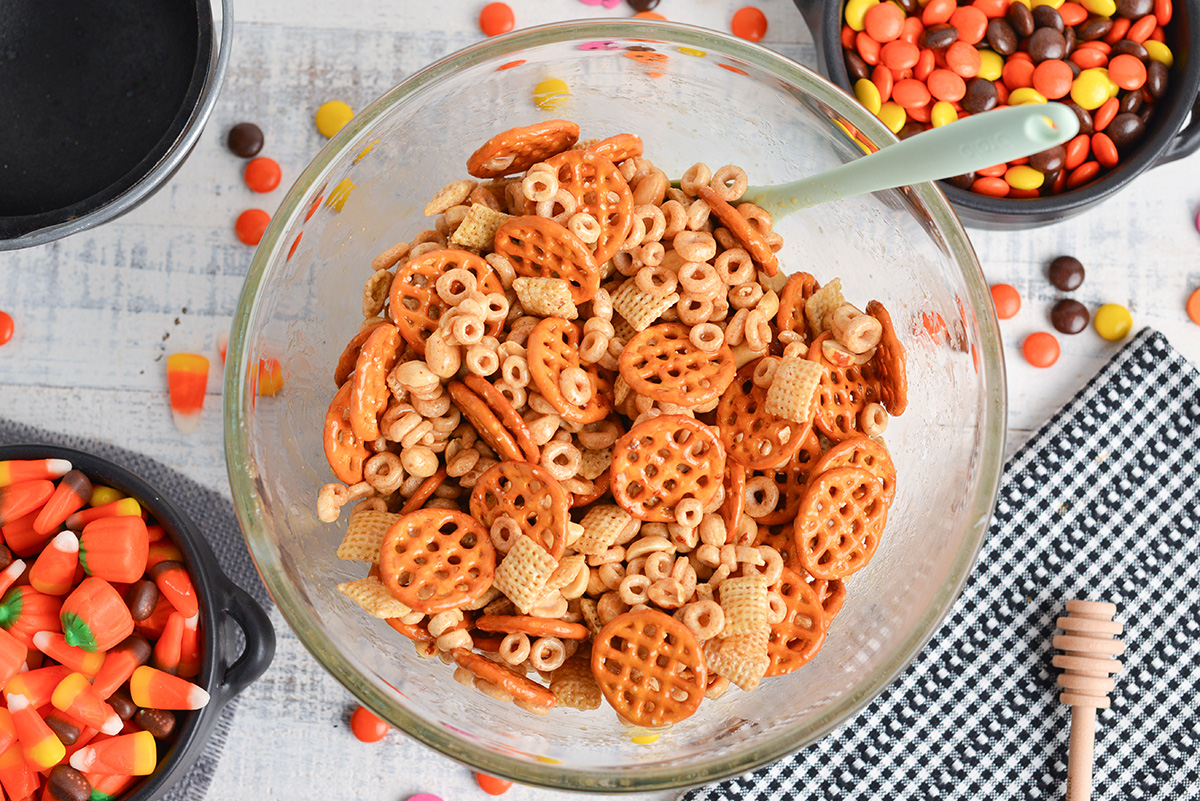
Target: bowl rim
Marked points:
239	396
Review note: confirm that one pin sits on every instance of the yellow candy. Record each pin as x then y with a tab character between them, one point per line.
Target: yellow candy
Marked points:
942	113
691	51
365	151
644	739
1090	89
1025	96
1113	322
1159	52
893	116
332	117
102	495
1101	8
1051	3
550	94
867	94
1024	177
856	10
991	64
340	194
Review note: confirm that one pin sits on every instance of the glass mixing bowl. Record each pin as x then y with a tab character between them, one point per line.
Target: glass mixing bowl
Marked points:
693	95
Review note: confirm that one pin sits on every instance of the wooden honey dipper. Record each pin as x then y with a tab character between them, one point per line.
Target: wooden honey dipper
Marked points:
1086	660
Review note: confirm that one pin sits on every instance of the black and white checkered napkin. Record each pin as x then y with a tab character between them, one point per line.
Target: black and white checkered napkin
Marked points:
213	515
1102	503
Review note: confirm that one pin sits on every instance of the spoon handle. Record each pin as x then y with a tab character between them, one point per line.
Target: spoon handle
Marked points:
974	143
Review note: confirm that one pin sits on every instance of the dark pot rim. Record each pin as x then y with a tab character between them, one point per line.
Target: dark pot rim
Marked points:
221	603
161	163
1166	141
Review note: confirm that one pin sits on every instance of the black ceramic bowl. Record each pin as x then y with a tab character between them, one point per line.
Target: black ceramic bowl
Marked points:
1166	138
102	103
224	672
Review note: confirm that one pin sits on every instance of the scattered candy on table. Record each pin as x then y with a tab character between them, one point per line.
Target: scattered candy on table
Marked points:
367	727
1113	322
251	225
1066	273
245	140
332	117
637	5
496	18
424	797
1007	300
1193	307
262	174
650	15
551	94
6	327
749	23
491	784
1040	349
187	380
1069	316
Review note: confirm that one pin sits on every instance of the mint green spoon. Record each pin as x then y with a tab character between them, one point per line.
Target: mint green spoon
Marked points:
979	141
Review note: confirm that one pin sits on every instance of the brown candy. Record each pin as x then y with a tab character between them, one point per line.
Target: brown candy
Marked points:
141	598
1066	273
64	729
67	784
1069	316
159	722
245	140
122	704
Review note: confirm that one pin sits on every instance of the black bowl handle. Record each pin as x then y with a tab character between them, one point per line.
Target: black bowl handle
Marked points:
1187	141
260	642
813	12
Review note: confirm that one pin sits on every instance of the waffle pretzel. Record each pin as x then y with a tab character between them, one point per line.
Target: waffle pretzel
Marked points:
796	292
791	480
839	522
533	626
650	668
485	422
506	414
436	559
889	366
369	392
753	437
830	592
553	347
663	364
518	149
539	247
618	148
349	357
601	191
843	393
746	234
795	640
529	495
864	453
504	677
414	303
664	461
343	450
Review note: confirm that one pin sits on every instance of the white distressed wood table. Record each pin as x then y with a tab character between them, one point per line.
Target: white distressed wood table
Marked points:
96	315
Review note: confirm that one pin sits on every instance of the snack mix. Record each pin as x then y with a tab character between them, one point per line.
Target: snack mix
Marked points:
599	446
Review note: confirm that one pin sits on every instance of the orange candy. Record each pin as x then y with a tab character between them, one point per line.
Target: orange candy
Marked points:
94	616
6	327
1140	31
971	24
1052	78
910	93
1102	116
884	22
749	23
12	656
19	500
154	689
251	225
496	18
938	11
491	784
129	754
965	60
119	664
262	174
1077	151
881	76
71	495
1127	71
366	727
53	573
176	586
1072	13
946	85
1040	349
1193	307
1104	150
899	55
1007	300
115	549
187	380
1082	174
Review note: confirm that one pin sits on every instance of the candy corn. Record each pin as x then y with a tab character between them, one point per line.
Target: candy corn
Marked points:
125	507
187	380
17	778
10	574
18	500
115	548
189	651
106	787
37	685
12	656
54	645
94	616
270	377
152	627
42	749
129	754
71	495
67	729
169	646
176	586
158	690
163	550
24	612
53	572
119	664
75	696
22	540
14	472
